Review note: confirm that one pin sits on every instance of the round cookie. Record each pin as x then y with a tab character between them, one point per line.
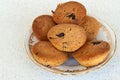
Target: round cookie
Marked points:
41	25
69	12
91	26
44	53
67	37
92	53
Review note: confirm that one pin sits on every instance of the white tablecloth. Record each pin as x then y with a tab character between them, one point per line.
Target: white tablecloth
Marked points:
16	17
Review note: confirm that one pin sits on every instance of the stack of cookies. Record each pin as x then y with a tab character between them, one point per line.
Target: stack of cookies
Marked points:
68	31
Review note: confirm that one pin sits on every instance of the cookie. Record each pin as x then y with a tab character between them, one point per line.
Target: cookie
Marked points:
44	53
92	53
67	37
41	25
91	26
69	12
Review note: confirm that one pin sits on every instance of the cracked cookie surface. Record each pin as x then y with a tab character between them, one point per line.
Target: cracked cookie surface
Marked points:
45	53
92	53
91	26
41	25
69	12
67	37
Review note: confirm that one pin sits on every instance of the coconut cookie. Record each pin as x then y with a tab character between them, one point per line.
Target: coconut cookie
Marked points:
69	12
67	37
41	25
91	26
46	54
92	53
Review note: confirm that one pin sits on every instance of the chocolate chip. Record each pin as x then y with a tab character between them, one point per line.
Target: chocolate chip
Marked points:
94	43
50	37
52	11
72	15
60	34
48	66
36	53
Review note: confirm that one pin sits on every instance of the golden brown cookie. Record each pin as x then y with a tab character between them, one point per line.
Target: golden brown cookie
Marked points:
92	53
91	26
41	25
67	37
69	12
44	53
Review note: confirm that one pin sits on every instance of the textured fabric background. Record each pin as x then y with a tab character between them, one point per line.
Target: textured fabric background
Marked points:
16	17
